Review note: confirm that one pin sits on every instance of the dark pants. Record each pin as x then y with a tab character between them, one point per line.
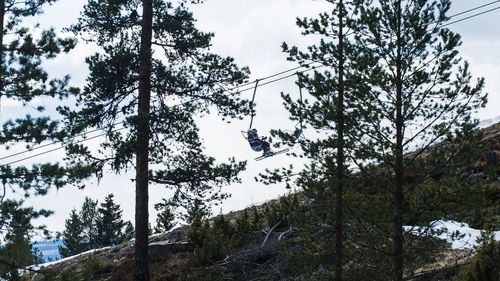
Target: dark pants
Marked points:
265	145
257	143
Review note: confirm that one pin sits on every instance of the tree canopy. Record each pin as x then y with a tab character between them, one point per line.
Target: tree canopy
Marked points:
152	76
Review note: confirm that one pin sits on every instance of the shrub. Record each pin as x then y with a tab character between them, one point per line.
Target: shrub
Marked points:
485	264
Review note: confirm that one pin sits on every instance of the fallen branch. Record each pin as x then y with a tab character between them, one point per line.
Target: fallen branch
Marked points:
269	233
284	233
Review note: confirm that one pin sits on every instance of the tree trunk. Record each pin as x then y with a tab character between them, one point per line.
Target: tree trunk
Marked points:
142	150
2	17
398	167
340	152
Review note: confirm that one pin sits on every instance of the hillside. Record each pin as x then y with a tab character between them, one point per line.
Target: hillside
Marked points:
264	242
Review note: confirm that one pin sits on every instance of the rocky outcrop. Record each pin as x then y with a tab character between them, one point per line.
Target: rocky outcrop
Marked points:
165	249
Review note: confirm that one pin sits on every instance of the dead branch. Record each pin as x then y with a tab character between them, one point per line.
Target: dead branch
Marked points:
269	233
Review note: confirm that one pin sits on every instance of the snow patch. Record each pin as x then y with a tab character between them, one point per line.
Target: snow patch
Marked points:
460	235
40	266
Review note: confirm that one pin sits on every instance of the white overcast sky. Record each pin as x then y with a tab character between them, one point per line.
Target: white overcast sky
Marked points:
252	33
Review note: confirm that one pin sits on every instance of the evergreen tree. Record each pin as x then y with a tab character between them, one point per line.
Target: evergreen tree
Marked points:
17	252
331	111
128	232
156	96
405	89
165	218
484	264
419	92
89	216
22	77
94	227
110	225
23	49
73	239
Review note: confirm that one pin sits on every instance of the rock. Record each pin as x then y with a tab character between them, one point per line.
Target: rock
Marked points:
167	249
176	235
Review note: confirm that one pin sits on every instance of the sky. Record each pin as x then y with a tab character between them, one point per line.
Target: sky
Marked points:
252	33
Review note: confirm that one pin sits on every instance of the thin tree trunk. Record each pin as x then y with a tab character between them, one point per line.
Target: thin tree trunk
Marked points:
2	18
340	152
142	150
398	167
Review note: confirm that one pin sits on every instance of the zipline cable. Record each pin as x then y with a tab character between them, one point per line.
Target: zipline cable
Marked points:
455	15
121	122
284	77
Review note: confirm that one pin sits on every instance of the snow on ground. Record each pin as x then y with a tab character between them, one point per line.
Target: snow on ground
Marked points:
39	266
460	235
50	251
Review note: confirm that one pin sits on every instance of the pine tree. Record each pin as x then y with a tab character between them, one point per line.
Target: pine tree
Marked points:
419	93
156	95
73	239
110	225
17	252
89	216
331	111
22	77
165	218
23	49
128	232
95	226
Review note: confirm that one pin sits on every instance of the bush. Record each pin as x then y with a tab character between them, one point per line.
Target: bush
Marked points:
485	264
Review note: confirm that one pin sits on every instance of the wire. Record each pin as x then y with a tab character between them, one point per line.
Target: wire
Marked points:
54	142
473	9
270	76
58	148
121	122
100	135
350	33
237	87
282	78
472	16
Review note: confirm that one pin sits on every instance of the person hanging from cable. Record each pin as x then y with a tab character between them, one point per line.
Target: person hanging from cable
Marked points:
258	143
